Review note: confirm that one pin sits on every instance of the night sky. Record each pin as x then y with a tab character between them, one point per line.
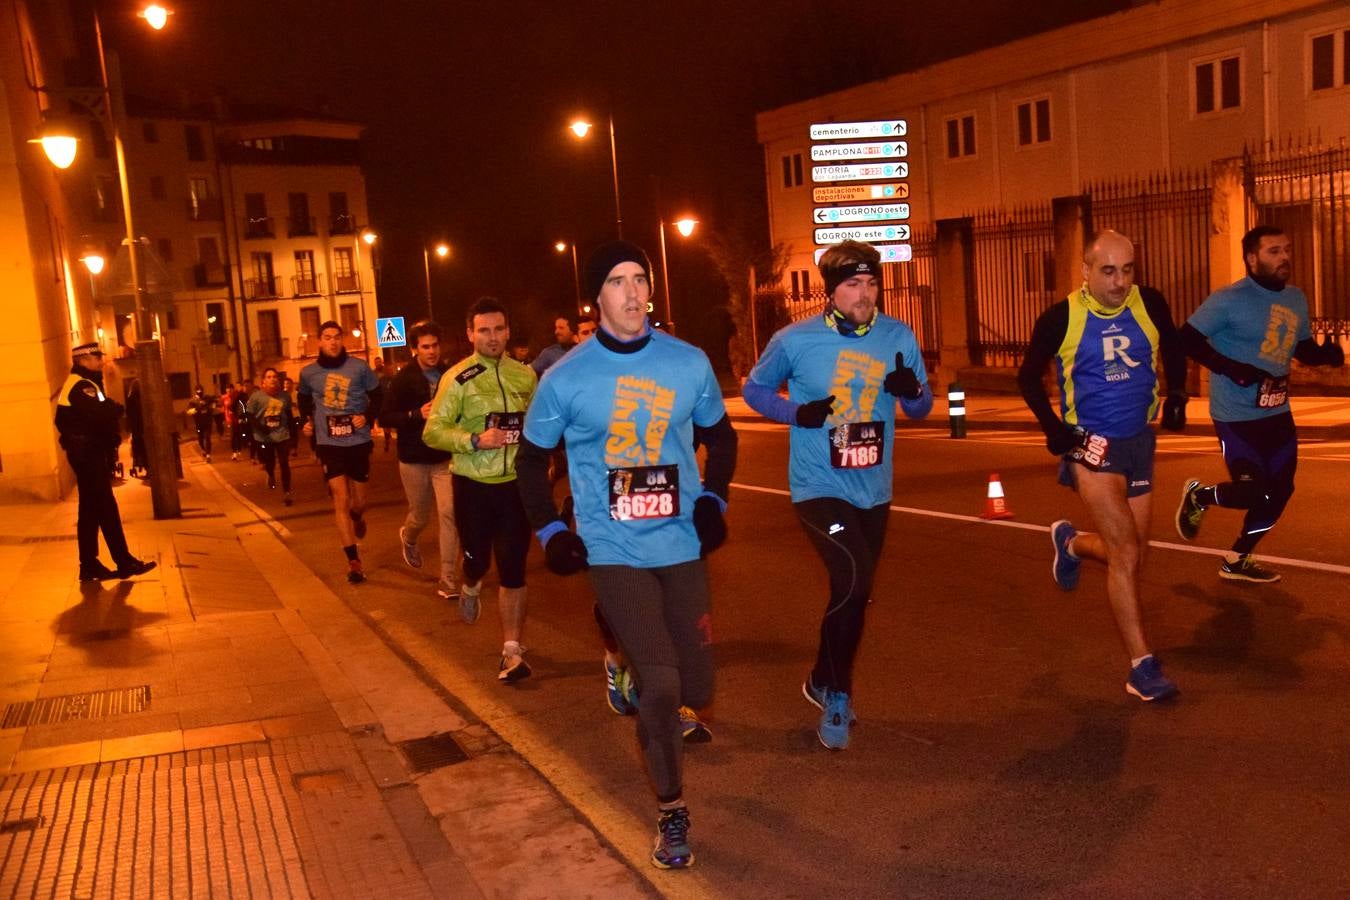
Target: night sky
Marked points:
466	107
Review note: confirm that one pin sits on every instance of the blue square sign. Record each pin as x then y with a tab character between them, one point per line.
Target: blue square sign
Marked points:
390	332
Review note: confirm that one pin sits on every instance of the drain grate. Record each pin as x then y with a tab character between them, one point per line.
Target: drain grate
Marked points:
428	753
92	705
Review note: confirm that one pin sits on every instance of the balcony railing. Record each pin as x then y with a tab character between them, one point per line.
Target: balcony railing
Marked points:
346	284
271	349
306	287
260	288
258	227
307	346
299	226
204	275
342	223
204	209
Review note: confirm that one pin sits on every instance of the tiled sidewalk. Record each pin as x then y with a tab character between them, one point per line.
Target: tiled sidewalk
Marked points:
224	726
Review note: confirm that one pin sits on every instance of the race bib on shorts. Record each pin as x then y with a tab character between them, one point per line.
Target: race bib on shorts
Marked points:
272	422
512	423
857	445
1091	451
1273	393
340	426
637	493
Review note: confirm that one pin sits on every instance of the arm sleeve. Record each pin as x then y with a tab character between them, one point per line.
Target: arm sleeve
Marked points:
305	405
1169	342
761	388
532	479
1046	337
920	406
374	401
1198	347
443	431
721	441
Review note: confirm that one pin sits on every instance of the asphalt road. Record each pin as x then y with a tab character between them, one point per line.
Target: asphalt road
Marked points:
997	753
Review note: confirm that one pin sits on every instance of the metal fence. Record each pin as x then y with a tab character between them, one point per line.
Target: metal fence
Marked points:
1013	274
1306	192
1167	216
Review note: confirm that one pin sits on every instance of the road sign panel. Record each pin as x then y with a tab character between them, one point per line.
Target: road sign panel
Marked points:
849	193
834	131
390	332
829	152
881	212
871	234
889	252
862	172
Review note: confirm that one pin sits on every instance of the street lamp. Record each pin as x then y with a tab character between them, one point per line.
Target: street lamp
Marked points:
61	146
685	226
580	128
561	247
442	250
367	236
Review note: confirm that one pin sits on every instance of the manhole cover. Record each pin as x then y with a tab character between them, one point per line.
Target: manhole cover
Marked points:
428	753
92	705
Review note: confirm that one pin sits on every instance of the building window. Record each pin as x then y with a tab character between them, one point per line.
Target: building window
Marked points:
792	170
157	190
1033	122
349	317
150	133
171	319
215	322
344	277
1330	60
961	136
305	282
1218	85
300	222
210	268
255	212
309	321
180	385
340	220
196	147
263	282
165	248
107	199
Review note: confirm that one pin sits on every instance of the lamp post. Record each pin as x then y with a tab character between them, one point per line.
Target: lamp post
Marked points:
561	247
61	149
442	250
580	127
685	227
368	237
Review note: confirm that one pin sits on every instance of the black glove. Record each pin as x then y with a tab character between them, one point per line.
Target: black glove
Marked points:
1174	412
1062	440
814	414
1332	354
1242	374
709	523
902	382
566	554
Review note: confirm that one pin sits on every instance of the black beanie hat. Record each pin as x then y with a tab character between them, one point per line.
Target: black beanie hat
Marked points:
605	257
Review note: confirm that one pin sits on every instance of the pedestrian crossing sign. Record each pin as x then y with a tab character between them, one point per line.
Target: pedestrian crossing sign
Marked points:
390	332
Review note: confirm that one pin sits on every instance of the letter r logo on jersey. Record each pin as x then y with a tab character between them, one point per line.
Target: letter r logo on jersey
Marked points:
1114	346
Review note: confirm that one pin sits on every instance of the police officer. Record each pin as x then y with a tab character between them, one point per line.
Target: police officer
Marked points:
87	422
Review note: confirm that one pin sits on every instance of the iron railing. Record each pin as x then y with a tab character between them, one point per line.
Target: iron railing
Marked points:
306	287
1013	275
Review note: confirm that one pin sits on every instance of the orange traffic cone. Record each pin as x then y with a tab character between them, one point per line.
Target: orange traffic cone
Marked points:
995	507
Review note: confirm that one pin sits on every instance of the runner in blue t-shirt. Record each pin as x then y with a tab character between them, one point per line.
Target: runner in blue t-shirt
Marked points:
844	370
629	405
339	400
1246	334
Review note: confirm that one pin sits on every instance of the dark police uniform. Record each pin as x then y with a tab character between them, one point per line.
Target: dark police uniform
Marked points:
87	421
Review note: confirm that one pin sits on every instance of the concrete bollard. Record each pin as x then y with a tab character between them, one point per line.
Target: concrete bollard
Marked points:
956	409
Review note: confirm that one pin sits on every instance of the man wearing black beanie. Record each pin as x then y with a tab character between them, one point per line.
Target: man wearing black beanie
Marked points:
629	405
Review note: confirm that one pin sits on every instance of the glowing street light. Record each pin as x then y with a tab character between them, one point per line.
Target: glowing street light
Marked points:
58	142
561	247
155	16
685	226
442	251
369	237
93	262
581	128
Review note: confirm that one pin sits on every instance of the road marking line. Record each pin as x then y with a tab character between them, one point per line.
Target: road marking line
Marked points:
263	515
1027	526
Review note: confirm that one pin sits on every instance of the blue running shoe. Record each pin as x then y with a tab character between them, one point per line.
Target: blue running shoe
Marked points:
834	721
672	849
620	693
692	728
1065	568
816	697
1147	682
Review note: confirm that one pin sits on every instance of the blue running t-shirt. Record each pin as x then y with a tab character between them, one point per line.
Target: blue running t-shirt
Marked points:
628	420
1250	324
339	393
850	457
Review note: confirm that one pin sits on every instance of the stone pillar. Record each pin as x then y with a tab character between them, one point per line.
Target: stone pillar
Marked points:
1071	224
955	292
1227	223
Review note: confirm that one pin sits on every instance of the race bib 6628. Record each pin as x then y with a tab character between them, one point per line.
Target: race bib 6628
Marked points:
637	493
